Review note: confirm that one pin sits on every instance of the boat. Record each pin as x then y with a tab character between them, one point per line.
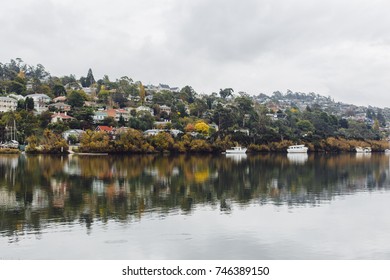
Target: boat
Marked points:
10	135
297	149
364	150
236	150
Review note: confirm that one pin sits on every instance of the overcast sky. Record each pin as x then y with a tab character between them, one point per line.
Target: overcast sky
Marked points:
338	48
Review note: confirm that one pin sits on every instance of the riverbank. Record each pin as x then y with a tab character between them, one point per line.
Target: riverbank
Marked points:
186	145
9	151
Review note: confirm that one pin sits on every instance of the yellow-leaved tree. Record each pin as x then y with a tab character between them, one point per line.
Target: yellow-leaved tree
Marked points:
202	128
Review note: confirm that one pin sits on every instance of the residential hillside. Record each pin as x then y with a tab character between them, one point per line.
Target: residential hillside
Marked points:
48	113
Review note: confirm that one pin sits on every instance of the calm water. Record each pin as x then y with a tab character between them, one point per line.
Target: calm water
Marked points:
195	207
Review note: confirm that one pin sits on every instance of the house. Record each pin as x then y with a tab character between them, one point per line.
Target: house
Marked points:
99	115
60	107
163	87
144	109
89	90
166	109
162	124
16	96
8	104
152	132
57	117
118	113
108	129
121	130
60	99
72	132
273	117
40	101
243	131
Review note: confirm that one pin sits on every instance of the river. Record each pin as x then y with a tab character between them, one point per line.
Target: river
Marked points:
268	206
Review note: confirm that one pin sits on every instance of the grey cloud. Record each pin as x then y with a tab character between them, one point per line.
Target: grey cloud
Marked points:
334	47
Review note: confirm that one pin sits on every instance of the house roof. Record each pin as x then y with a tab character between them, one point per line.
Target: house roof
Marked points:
105	128
62	116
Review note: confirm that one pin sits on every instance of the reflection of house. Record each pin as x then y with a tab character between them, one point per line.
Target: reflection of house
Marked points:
8	104
40	102
60	117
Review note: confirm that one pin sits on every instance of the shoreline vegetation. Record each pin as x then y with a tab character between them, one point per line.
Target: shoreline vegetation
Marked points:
134	142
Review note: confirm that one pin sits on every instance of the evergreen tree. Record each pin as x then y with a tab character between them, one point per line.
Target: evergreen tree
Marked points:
90	80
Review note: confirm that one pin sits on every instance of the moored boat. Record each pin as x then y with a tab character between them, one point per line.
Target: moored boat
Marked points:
236	150
297	149
363	150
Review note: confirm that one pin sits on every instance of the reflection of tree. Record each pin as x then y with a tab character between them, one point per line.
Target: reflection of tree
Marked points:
36	189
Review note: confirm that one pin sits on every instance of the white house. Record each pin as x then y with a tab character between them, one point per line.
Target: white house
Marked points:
99	115
166	109
41	102
8	104
75	132
144	109
60	117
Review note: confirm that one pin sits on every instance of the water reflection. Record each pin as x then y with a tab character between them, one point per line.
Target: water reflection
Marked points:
39	190
298	157
236	157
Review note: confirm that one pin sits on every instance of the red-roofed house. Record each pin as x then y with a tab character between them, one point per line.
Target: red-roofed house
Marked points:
117	113
108	129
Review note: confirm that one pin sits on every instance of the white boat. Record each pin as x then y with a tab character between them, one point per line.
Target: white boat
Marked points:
364	150
236	150
297	149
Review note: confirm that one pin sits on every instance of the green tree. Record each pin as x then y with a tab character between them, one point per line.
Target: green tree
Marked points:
162	142
187	94
305	126
90	80
225	93
76	99
58	90
29	103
